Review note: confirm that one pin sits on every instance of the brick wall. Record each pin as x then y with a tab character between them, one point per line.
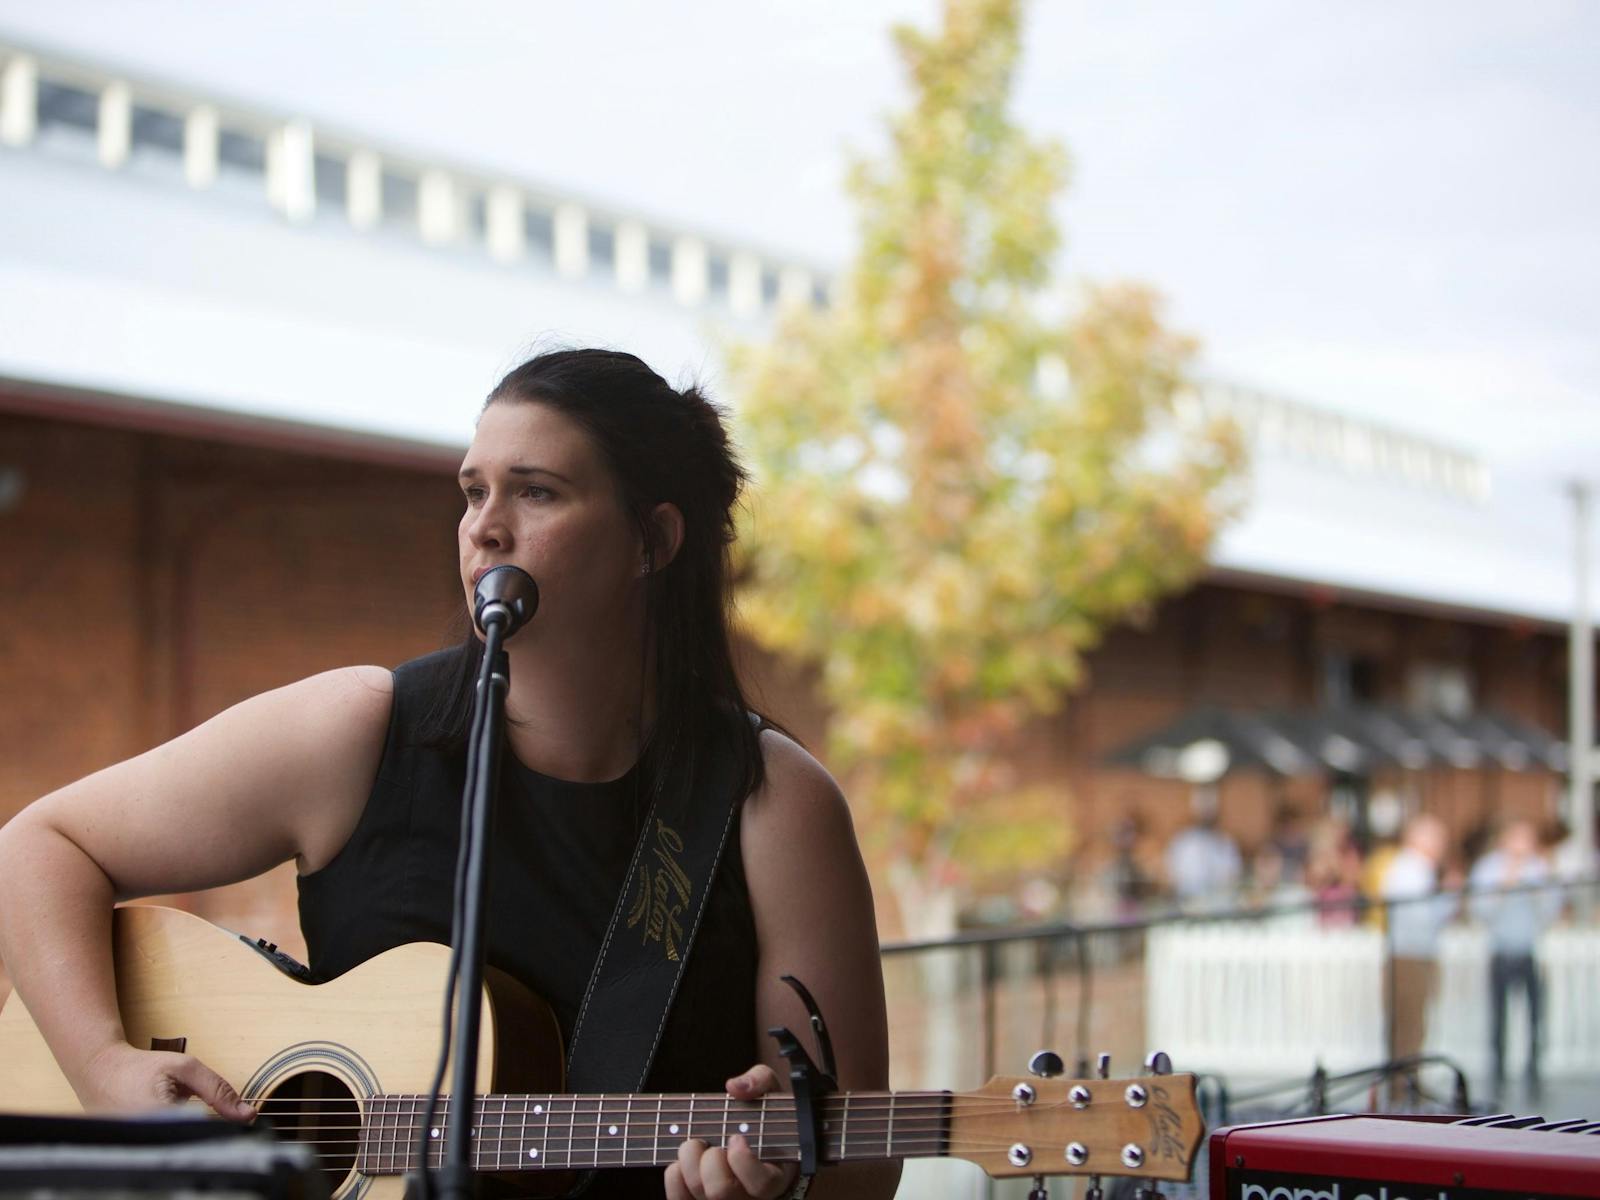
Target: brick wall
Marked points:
152	579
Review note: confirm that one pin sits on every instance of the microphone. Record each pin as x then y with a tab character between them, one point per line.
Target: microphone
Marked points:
506	596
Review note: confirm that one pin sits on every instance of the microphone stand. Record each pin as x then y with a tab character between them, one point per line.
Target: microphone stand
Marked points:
456	1178
504	597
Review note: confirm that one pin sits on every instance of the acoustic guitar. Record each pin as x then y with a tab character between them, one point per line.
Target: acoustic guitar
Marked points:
344	1066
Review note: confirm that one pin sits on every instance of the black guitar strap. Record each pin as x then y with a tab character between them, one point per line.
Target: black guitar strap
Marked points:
646	947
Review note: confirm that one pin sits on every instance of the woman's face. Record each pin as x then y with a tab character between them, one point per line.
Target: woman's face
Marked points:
539	496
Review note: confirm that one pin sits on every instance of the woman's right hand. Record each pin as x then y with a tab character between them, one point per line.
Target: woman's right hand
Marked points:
122	1078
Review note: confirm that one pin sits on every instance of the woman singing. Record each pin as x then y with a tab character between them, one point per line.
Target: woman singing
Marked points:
616	493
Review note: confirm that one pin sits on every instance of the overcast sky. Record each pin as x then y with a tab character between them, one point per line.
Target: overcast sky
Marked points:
1392	207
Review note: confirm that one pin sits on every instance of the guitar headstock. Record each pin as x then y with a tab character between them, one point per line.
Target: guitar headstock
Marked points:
1147	1126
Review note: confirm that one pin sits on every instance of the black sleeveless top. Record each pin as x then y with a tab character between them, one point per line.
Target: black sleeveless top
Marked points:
559	856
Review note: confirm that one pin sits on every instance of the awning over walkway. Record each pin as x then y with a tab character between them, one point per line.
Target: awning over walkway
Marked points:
1207	742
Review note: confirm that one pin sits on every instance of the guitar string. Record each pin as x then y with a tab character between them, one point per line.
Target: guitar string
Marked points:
787	1138
781	1106
620	1142
551	1157
676	1098
785	1122
490	1151
838	1100
781	1103
645	1146
635	1133
774	1121
873	1123
777	1120
788	1125
558	1160
774	1124
911	1148
636	1130
779	1100
384	1161
552	1124
601	1134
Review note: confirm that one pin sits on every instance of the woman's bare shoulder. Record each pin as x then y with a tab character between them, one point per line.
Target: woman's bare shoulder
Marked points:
361	693
332	723
797	789
798	819
332	728
283	774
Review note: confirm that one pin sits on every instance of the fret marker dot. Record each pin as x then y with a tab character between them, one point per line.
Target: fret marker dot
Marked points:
434	1132
672	1129
534	1153
744	1126
612	1131
538	1109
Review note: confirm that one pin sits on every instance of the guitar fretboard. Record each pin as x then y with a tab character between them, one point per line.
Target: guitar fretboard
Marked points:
556	1132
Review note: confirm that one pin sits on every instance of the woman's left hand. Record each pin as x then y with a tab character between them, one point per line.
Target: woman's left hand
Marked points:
733	1173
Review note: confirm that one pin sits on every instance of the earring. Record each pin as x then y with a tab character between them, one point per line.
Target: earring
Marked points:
644	565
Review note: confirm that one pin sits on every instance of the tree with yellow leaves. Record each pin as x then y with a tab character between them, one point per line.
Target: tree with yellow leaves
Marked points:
954	494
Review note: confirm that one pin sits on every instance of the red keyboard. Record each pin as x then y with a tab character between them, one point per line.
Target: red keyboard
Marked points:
1406	1158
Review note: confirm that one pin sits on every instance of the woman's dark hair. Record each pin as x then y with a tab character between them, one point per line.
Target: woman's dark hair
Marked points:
662	446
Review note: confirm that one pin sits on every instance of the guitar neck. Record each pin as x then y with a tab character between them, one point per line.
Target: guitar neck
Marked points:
558	1132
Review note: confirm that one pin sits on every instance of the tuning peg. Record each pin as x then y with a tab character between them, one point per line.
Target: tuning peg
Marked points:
1158	1063
1102	1067
1046	1064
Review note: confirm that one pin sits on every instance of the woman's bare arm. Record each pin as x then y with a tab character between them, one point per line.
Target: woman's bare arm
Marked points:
814	920
282	775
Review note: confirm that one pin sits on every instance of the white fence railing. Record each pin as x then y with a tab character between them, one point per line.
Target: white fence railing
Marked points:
1277	999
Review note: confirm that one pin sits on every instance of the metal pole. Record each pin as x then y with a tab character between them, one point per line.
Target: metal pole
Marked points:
1580	651
991	1019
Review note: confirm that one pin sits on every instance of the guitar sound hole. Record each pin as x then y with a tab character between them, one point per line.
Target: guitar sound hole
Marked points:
320	1110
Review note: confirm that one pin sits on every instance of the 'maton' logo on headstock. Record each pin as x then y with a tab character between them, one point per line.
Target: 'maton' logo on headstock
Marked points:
1166	1126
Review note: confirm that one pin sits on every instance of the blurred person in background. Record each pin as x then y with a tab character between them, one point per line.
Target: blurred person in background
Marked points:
1203	863
1333	874
1418	911
1575	866
1126	876
1515	897
1479	837
1377	839
616	492
1275	883
1292	841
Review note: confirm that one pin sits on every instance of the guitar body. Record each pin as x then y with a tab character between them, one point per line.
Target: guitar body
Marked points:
373	1031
